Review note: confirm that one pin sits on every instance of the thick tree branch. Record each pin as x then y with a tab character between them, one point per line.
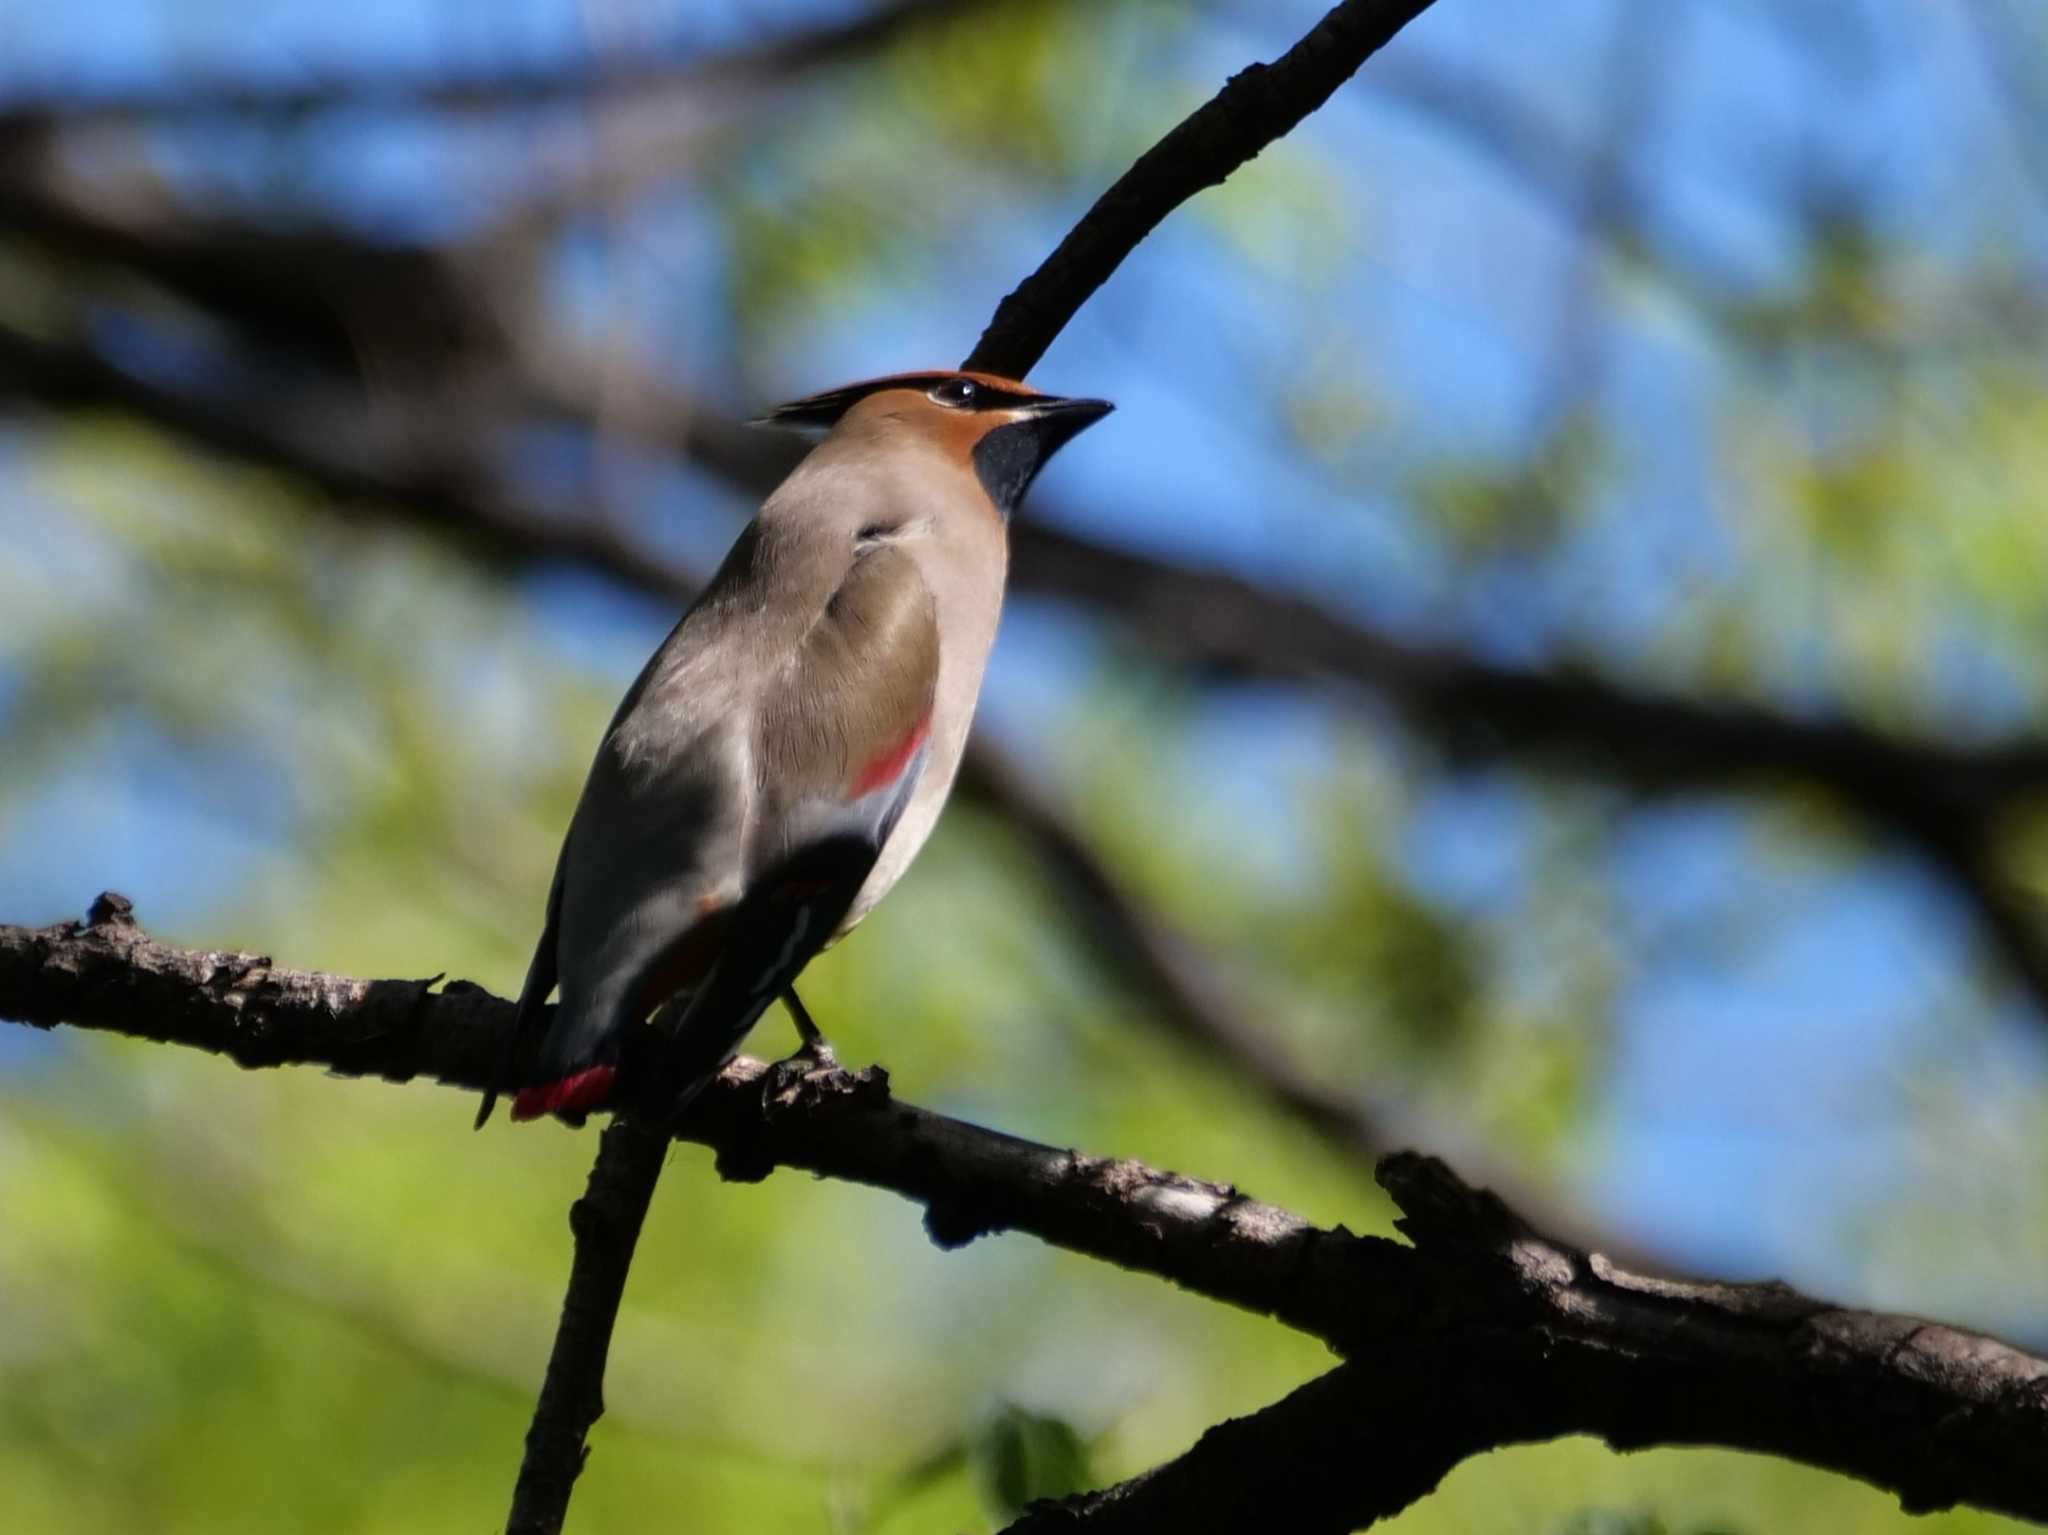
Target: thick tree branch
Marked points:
108	974
1261	103
1485	1332
1529	1340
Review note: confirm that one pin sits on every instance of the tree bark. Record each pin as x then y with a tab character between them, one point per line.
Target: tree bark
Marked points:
1484	1332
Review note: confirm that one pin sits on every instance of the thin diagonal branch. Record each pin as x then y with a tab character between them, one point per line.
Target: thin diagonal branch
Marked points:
1485	1332
606	1223
1261	103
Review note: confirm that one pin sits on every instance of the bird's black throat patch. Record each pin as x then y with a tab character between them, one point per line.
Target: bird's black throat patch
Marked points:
1008	459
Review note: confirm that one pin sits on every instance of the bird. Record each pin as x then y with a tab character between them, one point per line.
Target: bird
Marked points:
784	754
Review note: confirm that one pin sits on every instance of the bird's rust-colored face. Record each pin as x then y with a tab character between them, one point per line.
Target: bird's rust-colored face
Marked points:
1000	428
937	394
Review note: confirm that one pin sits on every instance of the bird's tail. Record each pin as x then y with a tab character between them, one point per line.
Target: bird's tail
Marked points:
525	1025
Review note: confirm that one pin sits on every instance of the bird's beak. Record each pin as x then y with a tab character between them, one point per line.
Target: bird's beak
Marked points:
1083	411
1019	440
1060	420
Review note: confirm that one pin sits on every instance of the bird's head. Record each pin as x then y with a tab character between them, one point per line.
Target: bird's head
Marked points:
1002	430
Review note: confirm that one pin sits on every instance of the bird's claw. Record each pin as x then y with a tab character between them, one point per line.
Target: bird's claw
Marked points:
783	1077
818	1055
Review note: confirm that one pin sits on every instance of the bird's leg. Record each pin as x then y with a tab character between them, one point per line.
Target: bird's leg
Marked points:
814	1054
816	1049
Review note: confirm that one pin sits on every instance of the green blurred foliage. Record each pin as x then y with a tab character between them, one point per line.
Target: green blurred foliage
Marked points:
1019	1457
1886	464
276	1301
1607	1522
999	102
1487	511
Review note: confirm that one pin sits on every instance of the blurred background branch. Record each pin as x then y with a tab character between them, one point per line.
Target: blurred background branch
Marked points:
665	74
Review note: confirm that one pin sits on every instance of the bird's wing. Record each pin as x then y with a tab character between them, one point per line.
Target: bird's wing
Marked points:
653	853
840	736
533	997
841	739
730	819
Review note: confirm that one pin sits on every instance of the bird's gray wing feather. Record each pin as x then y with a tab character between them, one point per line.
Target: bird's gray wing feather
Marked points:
742	796
533	998
842	740
838	733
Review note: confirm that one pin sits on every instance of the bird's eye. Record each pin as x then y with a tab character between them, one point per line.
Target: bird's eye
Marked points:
956	392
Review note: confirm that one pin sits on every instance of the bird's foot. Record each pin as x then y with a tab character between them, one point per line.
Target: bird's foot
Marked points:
816	1050
783	1077
814	1055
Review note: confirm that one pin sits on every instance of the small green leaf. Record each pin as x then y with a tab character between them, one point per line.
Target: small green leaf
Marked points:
1021	1456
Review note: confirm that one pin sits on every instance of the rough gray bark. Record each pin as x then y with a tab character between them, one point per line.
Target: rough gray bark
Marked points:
1524	1340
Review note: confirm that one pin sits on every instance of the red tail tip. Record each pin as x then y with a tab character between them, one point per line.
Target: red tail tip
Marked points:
572	1095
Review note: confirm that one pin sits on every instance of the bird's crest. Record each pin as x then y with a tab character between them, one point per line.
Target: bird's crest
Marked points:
821	412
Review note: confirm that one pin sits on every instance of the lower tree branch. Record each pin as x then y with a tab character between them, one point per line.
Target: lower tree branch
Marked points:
606	1223
1336	1454
1577	1346
1852	1392
1484	1332
1528	1341
107	973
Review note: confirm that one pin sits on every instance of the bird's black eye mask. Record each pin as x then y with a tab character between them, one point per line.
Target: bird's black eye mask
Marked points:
820	412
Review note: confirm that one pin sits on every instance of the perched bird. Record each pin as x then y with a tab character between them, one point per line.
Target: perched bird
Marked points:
783	756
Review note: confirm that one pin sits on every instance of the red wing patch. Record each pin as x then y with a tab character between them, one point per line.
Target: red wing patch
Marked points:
886	768
572	1095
